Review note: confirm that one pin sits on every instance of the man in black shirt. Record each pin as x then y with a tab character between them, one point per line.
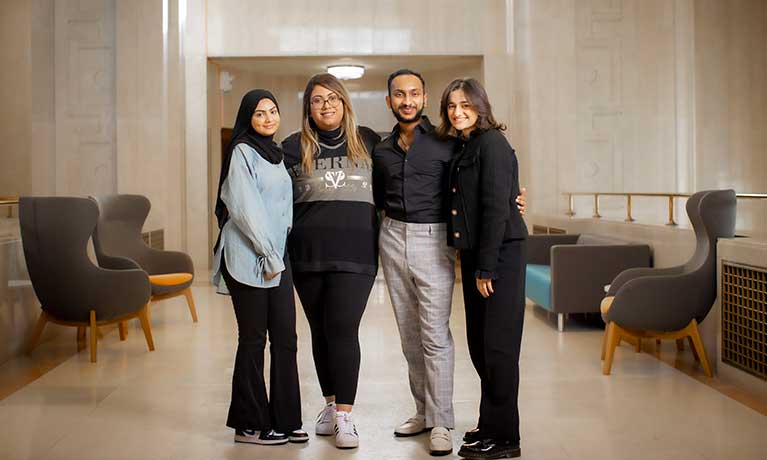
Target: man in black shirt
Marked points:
410	176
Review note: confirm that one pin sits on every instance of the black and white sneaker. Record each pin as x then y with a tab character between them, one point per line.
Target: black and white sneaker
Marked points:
298	436
489	449
266	438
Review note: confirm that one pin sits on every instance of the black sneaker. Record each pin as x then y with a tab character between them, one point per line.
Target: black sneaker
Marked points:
298	436
472	435
266	438
487	449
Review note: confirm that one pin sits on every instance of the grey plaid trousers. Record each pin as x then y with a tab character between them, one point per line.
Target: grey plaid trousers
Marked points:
420	273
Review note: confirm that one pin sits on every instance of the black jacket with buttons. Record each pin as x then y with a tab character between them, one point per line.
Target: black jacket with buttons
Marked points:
484	184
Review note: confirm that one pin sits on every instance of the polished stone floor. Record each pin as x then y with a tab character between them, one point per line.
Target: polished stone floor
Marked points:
172	403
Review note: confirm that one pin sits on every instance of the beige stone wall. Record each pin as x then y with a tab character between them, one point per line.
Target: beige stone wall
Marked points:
731	102
642	96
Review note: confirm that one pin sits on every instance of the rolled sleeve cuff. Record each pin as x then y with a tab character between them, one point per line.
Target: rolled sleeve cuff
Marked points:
274	264
484	274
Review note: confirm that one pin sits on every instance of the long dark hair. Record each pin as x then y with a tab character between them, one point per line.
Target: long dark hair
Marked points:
477	97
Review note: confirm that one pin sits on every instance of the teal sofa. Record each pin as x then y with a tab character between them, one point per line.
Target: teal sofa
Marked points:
567	273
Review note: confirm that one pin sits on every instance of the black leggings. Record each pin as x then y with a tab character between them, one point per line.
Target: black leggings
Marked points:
334	303
494	333
258	311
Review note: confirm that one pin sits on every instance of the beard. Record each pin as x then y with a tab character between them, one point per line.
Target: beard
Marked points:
403	119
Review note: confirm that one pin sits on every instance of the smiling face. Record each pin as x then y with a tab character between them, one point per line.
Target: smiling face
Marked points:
266	118
406	98
327	108
461	112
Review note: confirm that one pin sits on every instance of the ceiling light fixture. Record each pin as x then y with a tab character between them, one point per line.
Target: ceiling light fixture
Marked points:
346	72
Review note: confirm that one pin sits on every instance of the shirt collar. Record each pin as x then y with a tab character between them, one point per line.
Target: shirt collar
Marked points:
424	126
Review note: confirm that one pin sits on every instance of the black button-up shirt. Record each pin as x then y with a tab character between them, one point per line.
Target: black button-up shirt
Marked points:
410	186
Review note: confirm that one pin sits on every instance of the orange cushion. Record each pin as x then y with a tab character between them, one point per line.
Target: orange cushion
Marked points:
170	279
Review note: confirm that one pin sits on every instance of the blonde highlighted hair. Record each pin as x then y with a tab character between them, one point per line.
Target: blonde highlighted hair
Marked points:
310	146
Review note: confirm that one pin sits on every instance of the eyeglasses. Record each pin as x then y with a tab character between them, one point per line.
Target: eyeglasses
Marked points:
318	101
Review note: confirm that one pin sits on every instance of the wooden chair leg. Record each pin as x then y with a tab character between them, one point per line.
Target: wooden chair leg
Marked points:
698	345
612	341
81	338
638	346
679	344
143	316
190	302
604	343
38	331
94	334
657	342
123	327
692	347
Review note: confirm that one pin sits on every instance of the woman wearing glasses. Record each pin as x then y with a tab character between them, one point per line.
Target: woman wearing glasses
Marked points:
333	244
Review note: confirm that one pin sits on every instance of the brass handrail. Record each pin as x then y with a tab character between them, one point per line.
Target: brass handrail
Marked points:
571	212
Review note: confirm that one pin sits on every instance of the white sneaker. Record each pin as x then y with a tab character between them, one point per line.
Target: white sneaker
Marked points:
326	420
346	432
440	442
413	426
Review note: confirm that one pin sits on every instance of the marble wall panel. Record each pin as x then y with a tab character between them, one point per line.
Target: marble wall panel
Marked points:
298	27
15	91
84	102
731	101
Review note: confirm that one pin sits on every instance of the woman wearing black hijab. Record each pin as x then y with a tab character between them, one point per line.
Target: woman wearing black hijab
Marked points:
255	210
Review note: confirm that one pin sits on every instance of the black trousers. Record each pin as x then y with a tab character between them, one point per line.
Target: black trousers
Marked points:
334	303
262	311
494	332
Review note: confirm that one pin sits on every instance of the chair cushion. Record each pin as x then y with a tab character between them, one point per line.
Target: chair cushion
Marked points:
538	284
170	279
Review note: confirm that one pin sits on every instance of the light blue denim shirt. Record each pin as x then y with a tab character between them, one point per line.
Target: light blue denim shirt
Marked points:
259	197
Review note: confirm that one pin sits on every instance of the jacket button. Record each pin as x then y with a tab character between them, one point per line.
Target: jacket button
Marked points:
454	212
457	235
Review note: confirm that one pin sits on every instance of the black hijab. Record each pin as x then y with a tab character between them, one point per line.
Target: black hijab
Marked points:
243	133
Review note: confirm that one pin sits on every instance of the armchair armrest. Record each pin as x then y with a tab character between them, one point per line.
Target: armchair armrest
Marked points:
539	247
633	273
117	263
157	262
580	272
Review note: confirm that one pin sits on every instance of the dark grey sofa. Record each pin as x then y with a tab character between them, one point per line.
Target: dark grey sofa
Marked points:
567	273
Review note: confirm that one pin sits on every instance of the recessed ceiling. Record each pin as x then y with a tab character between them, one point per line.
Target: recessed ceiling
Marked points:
375	66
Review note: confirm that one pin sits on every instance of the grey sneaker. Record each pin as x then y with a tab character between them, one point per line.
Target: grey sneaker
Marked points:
346	432
326	420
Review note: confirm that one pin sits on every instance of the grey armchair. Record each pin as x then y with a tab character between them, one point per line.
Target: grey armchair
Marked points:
669	303
71	289
118	233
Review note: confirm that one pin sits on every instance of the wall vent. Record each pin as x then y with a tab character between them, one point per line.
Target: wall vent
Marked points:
744	318
155	239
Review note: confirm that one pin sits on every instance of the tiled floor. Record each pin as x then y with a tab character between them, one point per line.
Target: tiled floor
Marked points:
172	403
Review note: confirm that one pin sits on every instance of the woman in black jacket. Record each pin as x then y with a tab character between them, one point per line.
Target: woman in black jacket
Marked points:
487	228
